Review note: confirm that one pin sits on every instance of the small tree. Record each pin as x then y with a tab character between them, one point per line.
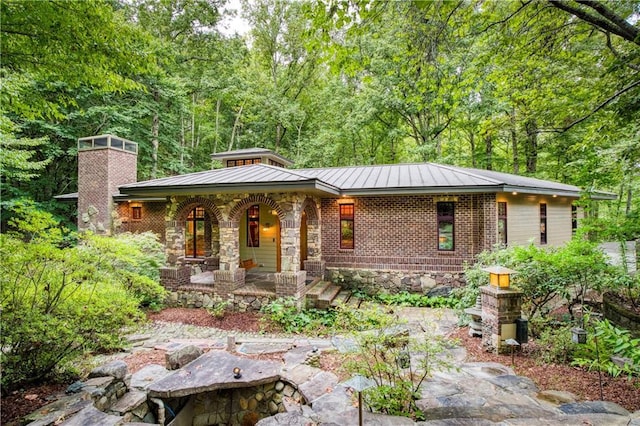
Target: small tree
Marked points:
399	365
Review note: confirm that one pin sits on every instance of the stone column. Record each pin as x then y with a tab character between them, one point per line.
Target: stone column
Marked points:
174	240
291	281
229	246
230	276
500	310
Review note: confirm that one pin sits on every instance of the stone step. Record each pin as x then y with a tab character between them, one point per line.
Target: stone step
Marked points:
327	296
341	298
354	302
315	292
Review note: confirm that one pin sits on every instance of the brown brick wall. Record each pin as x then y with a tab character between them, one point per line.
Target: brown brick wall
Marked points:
100	173
400	233
153	218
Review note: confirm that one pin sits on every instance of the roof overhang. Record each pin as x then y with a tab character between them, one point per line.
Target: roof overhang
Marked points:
67	198
312	185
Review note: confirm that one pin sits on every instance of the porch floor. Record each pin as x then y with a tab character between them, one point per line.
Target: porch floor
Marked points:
256	283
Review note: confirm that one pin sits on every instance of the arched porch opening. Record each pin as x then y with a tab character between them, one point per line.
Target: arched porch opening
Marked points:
259	233
195	231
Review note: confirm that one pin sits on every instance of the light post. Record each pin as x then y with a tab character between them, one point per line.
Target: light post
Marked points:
359	383
579	336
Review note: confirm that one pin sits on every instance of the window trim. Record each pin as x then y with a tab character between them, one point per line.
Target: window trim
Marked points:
442	218
196	215
544	230
574	219
502	218
244	162
346	218
253	221
136	212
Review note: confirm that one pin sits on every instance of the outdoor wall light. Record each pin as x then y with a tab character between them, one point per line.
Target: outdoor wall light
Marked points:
237	373
266	226
499	276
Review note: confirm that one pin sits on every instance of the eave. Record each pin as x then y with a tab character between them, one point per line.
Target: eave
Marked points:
313	185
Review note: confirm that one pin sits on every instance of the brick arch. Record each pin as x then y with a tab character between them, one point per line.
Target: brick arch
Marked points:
185	207
309	206
234	214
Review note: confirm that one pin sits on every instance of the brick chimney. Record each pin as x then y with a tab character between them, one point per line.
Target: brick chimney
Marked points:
105	162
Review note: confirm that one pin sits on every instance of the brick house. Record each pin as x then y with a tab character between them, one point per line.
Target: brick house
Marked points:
387	227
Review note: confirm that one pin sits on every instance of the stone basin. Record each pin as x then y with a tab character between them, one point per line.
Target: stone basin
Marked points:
212	371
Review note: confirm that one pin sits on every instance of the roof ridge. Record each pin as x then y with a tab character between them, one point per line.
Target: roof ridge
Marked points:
465	171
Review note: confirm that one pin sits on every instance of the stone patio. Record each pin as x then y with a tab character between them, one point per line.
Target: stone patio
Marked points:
476	394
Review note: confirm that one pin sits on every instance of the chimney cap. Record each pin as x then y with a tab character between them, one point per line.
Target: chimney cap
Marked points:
107	141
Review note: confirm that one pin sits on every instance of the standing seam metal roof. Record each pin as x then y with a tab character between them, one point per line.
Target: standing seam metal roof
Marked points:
389	179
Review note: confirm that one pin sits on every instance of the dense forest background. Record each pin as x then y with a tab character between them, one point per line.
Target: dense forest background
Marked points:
549	89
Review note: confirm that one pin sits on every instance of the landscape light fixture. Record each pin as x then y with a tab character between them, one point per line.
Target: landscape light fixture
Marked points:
359	383
579	336
499	276
237	373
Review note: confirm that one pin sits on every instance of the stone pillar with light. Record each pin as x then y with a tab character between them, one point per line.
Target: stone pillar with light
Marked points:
501	307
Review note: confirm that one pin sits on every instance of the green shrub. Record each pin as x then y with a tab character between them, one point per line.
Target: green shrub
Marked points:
554	344
56	304
543	274
343	318
134	259
60	301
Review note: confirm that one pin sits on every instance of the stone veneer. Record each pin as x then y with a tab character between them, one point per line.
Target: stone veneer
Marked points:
390	281
240	406
194	297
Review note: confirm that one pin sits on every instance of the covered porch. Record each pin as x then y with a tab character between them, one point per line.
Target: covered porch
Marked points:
256	247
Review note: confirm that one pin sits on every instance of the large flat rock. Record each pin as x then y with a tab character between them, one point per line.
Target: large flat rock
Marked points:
212	371
92	416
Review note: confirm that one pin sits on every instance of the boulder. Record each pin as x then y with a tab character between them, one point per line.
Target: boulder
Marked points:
116	369
182	356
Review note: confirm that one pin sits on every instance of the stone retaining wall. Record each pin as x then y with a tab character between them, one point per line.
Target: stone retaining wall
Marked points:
251	303
193	297
620	316
375	281
244	405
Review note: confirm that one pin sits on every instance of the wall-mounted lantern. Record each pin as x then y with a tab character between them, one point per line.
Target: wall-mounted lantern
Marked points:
266	226
499	276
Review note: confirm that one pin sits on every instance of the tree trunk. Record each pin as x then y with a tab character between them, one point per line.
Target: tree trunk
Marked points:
472	145
155	130
488	150
183	141
235	128
217	131
514	141
531	151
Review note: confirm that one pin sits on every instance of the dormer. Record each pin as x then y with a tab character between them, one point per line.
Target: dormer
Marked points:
244	157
